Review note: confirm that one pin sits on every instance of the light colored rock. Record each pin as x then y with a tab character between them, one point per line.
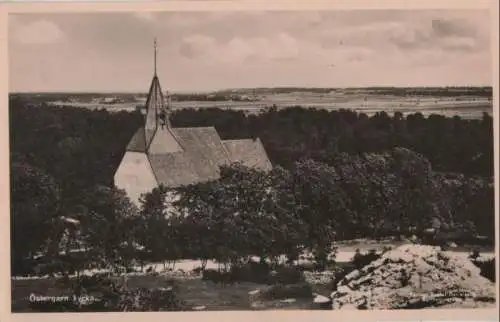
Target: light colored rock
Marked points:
320	299
199	308
163	289
452	245
413	276
254	292
288	301
319	278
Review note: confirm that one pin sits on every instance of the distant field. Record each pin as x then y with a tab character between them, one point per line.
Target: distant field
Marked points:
469	107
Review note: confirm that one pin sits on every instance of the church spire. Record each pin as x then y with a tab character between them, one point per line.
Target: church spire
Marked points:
155	55
155	103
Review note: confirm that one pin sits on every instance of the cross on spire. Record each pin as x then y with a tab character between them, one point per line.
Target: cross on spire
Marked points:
155	55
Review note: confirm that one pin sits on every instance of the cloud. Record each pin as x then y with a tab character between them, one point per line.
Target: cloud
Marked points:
452	27
239	49
276	48
430	31
446	34
459	43
196	46
145	16
39	32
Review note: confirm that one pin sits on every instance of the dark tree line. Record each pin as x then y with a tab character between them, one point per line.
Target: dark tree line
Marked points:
450	144
452	91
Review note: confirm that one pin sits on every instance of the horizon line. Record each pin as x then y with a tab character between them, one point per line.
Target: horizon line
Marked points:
253	88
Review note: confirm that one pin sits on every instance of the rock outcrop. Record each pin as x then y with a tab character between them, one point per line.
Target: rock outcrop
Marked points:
319	278
415	276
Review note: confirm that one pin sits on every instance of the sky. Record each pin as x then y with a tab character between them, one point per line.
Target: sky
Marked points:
202	51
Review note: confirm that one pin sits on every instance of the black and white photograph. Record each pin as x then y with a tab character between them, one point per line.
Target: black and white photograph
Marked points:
252	160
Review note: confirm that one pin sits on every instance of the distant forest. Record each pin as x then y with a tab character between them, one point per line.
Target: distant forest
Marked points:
486	91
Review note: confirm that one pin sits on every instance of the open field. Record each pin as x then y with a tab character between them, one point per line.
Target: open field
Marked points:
466	104
465	107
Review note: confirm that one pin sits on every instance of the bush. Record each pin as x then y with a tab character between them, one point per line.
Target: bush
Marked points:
474	254
218	277
340	273
112	296
251	272
275	292
287	275
361	260
487	268
150	300
308	267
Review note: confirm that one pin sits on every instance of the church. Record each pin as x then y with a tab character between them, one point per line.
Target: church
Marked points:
161	154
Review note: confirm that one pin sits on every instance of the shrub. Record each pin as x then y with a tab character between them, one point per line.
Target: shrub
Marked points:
361	260
301	290
210	274
474	254
287	275
340	273
487	268
251	272
112	296
218	277
308	267
96	282
150	300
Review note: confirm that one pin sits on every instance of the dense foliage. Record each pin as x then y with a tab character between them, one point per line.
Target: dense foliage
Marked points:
337	175
450	144
249	213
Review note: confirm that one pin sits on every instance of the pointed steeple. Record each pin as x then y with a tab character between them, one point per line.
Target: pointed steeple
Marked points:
155	105
158	118
155	57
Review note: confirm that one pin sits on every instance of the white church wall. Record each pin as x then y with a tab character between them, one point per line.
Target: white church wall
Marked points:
135	175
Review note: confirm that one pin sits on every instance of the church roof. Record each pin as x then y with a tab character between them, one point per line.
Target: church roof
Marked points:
200	159
202	154
248	152
138	142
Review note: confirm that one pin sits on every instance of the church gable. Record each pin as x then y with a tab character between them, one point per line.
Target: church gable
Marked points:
135	175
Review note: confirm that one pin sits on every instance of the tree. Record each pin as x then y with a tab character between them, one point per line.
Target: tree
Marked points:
240	215
321	204
160	228
35	205
105	226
